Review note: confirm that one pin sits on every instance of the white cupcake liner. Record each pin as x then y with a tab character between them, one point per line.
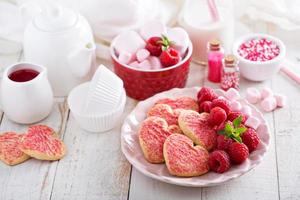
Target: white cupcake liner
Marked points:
101	122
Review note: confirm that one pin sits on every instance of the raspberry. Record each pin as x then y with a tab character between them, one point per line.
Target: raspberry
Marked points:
222	103
206	94
154	46
250	139
223	142
222	126
205	106
217	116
238	152
219	161
169	57
233	115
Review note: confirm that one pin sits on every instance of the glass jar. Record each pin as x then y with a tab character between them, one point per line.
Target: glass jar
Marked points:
230	74
215	55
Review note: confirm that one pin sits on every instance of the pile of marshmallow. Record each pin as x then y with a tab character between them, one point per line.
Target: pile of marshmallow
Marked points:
130	46
268	100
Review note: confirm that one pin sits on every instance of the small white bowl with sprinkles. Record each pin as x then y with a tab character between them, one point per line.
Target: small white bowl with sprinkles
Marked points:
259	55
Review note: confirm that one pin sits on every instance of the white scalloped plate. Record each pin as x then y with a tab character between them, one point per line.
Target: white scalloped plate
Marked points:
132	151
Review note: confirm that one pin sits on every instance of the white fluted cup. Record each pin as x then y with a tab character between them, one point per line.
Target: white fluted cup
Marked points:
104	92
99	122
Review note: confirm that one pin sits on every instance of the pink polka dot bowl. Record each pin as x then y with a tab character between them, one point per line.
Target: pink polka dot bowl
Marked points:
259	55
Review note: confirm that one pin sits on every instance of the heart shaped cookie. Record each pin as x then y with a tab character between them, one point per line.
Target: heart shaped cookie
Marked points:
10	152
197	128
152	135
186	103
175	129
166	112
41	142
183	158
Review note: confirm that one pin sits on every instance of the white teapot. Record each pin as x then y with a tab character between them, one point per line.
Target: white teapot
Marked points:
62	41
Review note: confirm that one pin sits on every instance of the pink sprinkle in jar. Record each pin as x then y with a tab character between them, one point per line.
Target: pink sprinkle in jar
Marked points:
215	54
230	73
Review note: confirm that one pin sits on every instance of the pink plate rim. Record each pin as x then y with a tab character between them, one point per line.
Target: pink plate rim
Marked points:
131	148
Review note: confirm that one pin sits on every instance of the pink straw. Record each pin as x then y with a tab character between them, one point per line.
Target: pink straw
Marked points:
213	10
291	74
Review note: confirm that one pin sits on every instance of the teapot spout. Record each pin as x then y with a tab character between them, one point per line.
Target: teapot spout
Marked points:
81	59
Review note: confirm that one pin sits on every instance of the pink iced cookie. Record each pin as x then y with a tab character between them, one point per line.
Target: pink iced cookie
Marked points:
152	134
129	41
164	111
252	122
142	54
125	57
155	62
253	95
232	94
281	100
146	65
183	158
235	105
180	39
246	110
186	103
266	92
151	29
197	128
268	104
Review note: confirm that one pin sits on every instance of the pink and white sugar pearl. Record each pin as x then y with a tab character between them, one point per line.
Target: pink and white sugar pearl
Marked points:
259	49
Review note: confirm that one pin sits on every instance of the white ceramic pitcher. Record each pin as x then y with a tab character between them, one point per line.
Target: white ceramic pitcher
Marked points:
26	102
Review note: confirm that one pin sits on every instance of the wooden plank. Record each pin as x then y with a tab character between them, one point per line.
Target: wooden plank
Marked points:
287	126
95	168
33	179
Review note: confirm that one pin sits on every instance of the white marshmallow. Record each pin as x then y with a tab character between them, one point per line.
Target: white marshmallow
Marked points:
152	28
232	94
268	104
129	41
145	65
266	92
281	100
135	64
155	62
252	95
235	105
246	110
252	122
142	54
125	57
180	39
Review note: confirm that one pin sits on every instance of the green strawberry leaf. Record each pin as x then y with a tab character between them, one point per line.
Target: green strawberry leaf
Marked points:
237	122
240	130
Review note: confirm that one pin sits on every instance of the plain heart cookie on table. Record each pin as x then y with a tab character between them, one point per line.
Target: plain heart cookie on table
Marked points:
220	137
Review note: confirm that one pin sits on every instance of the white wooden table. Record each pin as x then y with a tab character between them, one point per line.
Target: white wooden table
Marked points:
95	167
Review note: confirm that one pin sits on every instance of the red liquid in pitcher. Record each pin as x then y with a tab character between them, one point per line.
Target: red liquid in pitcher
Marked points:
23	75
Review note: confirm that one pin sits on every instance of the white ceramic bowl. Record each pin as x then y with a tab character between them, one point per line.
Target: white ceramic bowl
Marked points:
101	122
259	70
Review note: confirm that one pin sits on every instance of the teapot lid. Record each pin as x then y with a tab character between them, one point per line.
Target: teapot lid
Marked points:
55	18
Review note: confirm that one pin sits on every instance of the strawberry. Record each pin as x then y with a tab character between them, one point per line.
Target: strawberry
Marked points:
154	46
233	115
250	139
238	152
169	57
217	116
206	94
223	142
222	103
205	106
219	161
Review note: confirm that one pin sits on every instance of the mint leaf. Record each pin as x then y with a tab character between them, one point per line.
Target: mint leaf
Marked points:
237	122
238	139
221	132
228	128
240	130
